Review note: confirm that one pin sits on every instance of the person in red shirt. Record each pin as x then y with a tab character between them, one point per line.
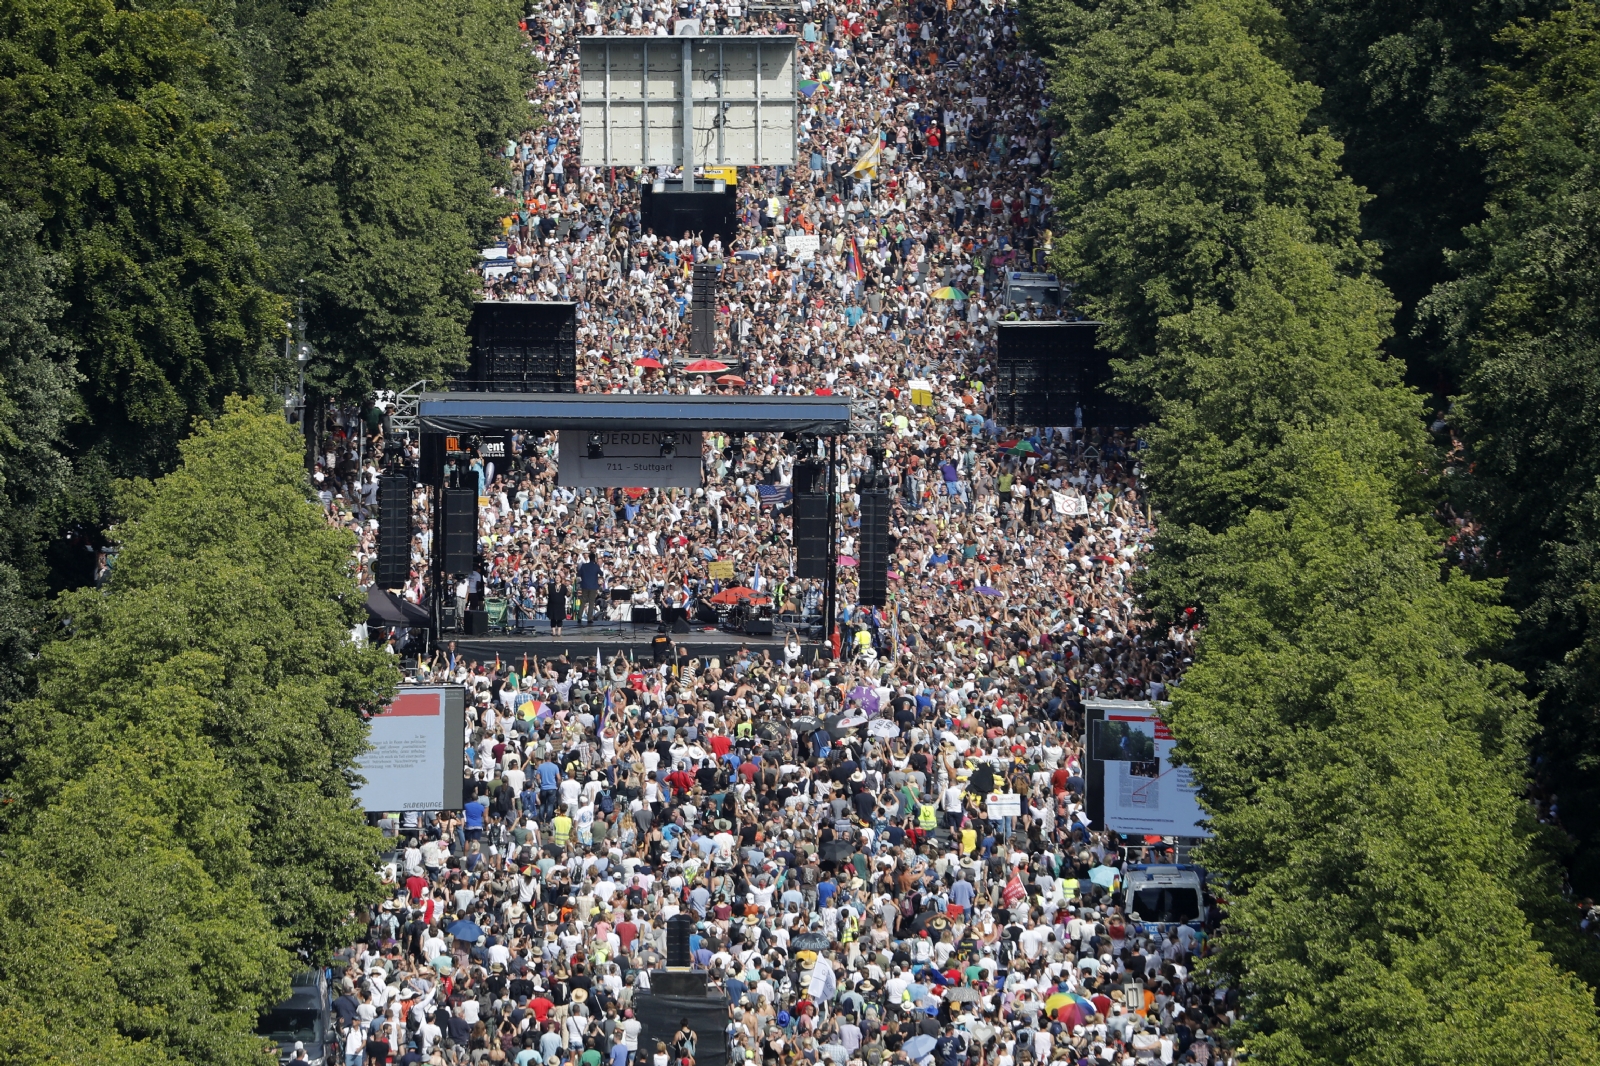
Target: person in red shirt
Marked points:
681	781
720	743
627	932
541	1005
417	885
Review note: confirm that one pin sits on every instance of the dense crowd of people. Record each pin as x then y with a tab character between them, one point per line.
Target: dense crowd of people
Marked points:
884	854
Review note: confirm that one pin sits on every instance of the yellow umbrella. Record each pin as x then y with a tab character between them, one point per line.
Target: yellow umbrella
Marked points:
1056	1002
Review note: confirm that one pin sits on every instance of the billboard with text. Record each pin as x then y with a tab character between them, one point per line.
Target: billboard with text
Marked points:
629	459
415	749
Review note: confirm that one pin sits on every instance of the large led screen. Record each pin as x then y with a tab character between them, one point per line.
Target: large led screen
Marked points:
414	758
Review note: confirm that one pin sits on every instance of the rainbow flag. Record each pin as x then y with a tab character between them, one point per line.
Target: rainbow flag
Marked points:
853	261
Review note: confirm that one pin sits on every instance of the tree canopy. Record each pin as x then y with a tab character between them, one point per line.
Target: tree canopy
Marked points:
1521	321
380	132
219	653
1362	760
114	122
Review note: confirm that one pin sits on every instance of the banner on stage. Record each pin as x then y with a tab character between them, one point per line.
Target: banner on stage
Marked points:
629	459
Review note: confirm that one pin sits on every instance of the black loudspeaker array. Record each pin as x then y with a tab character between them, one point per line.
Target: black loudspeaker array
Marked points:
708	214
460	530
1054	374
679	926
522	346
703	310
873	558
811	540
393	566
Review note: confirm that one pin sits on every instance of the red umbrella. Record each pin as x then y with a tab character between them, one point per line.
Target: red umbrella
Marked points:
730	379
705	366
648	363
740	592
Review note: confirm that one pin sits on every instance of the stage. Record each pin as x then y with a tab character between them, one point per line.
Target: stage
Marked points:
632	639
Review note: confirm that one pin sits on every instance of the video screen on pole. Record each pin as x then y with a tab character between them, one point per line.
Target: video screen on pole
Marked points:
414	758
1124	741
629	459
1142	791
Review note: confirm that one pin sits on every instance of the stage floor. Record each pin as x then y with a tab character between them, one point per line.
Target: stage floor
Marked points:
611	637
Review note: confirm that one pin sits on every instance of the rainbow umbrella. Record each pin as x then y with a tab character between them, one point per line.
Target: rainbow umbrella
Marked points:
809	88
1070	1015
949	292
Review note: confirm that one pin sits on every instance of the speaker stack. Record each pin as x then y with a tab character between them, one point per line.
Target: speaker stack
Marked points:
522	346
460	530
1056	374
703	310
873	561
392	569
679	926
812	539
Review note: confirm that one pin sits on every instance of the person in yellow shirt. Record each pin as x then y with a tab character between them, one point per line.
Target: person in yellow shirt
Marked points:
561	829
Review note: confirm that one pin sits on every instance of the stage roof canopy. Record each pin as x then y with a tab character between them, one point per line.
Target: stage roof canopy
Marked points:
482	412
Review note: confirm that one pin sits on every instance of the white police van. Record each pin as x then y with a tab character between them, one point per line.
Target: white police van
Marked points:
1164	896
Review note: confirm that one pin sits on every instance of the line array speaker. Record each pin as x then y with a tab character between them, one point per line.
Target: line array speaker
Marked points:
460	530
812	541
522	346
679	926
393	566
672	214
810	475
703	310
1056	374
873	558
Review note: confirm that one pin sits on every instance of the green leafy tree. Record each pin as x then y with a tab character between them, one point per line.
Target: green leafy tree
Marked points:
37	399
1522	319
1362	766
386	124
1212	231
1361	758
1183	137
233	596
111	119
1403	87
